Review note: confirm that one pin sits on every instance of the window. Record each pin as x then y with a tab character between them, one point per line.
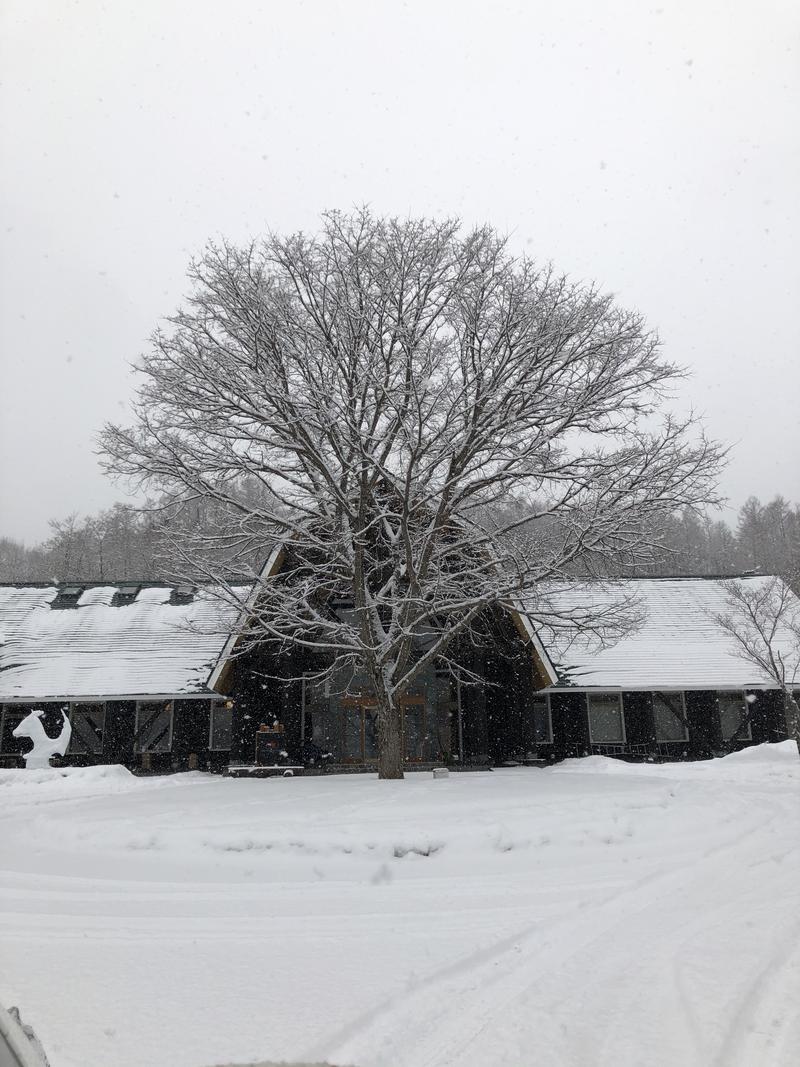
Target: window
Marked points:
669	716
125	594
733	710
344	611
12	716
153	727
316	724
606	724
182	594
221	727
88	725
542	721
67	596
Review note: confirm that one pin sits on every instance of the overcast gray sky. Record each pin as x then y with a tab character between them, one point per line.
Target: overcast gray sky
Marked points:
653	147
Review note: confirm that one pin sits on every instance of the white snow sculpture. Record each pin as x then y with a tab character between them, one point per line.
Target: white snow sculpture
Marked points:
43	746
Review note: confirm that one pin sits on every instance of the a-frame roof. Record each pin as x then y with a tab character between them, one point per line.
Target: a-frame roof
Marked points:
157	644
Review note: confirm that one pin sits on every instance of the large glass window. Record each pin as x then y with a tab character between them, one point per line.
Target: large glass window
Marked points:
446	726
221	727
416	738
542	722
733	709
340	716
88	723
606	725
669	716
153	727
317	725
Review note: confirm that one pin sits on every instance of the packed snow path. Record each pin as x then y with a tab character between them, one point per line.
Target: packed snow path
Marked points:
596	913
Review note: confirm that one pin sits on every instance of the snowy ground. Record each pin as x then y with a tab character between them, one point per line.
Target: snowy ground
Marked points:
596	913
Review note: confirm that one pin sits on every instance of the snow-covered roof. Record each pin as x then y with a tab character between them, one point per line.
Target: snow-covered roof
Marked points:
154	646
151	646
677	644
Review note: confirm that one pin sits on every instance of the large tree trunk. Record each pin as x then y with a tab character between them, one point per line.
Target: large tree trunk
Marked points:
792	713
390	735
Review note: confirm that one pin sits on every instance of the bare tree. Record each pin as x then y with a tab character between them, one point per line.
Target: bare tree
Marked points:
19	563
763	621
392	388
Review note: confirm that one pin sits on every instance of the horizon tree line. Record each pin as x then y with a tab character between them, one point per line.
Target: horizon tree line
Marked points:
124	543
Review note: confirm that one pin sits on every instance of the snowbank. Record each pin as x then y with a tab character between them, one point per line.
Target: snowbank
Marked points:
782	754
19	778
22	786
780	759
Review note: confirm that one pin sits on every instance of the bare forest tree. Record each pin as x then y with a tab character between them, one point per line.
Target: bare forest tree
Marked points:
764	625
118	544
388	385
688	543
766	541
20	563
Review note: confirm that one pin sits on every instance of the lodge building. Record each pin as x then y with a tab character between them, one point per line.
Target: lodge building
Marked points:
154	676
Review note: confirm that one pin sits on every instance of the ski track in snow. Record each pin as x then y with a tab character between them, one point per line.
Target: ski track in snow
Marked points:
593	914
519	968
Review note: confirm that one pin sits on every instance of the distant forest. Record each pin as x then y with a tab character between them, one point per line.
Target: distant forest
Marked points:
124	544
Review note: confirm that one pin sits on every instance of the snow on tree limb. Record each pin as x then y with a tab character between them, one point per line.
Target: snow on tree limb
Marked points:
389	390
763	623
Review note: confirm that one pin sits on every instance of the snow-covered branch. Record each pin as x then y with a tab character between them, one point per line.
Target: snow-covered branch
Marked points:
389	391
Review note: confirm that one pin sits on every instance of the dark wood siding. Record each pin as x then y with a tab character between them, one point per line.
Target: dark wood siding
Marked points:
639	727
503	717
259	697
291	697
474	725
120	728
702	713
190	733
767	719
570	724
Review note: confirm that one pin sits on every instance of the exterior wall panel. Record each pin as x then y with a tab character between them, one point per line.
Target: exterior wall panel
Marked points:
767	721
702	713
570	724
119	732
190	732
639	727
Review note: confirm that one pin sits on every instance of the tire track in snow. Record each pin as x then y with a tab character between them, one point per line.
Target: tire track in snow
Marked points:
505	972
624	989
748	1040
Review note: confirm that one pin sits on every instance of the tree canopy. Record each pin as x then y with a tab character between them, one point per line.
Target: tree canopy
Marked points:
429	426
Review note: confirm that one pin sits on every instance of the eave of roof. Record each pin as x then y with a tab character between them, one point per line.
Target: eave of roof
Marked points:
269	570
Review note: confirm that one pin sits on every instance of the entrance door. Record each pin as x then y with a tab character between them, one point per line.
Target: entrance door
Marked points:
360	729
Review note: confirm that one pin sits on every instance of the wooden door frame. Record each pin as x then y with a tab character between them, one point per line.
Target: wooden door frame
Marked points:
357	703
362	702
